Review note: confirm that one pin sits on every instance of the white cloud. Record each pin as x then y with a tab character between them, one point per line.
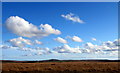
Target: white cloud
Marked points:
23	28
117	42
19	42
47	29
105	48
61	40
41	51
89	46
46	49
38	42
67	49
72	17
4	47
25	49
75	38
109	45
94	39
36	50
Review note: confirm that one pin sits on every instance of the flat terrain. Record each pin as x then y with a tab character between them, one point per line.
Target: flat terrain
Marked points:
62	67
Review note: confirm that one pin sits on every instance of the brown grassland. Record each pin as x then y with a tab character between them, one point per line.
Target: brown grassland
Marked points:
61	67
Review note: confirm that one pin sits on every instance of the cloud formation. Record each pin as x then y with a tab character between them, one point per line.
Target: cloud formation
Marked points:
67	49
21	27
38	42
61	40
108	47
75	38
72	17
7	47
19	42
4	47
36	51
89	46
117	42
105	47
94	39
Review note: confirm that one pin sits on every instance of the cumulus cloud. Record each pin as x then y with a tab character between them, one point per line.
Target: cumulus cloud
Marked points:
46	49
112	45
7	47
19	42
67	49
108	46
4	47
94	39
89	46
75	38
72	17
21	27
38	42
105	46
43	50
47	29
38	50
117	42
32	50
61	40
35	50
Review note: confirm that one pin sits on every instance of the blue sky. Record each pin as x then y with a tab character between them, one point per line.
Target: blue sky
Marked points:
100	22
60	0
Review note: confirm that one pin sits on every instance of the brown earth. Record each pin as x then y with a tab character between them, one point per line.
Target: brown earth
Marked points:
61	67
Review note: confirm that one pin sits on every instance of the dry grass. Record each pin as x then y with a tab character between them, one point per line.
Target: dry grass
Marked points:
61	67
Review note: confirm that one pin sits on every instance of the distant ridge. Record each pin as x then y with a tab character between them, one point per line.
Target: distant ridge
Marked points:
56	60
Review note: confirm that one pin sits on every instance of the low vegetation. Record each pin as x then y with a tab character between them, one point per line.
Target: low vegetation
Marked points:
62	67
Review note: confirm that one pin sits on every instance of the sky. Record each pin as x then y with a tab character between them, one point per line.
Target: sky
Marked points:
37	31
60	0
1	29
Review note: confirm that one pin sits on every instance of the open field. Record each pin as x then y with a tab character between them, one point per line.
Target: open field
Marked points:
62	67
